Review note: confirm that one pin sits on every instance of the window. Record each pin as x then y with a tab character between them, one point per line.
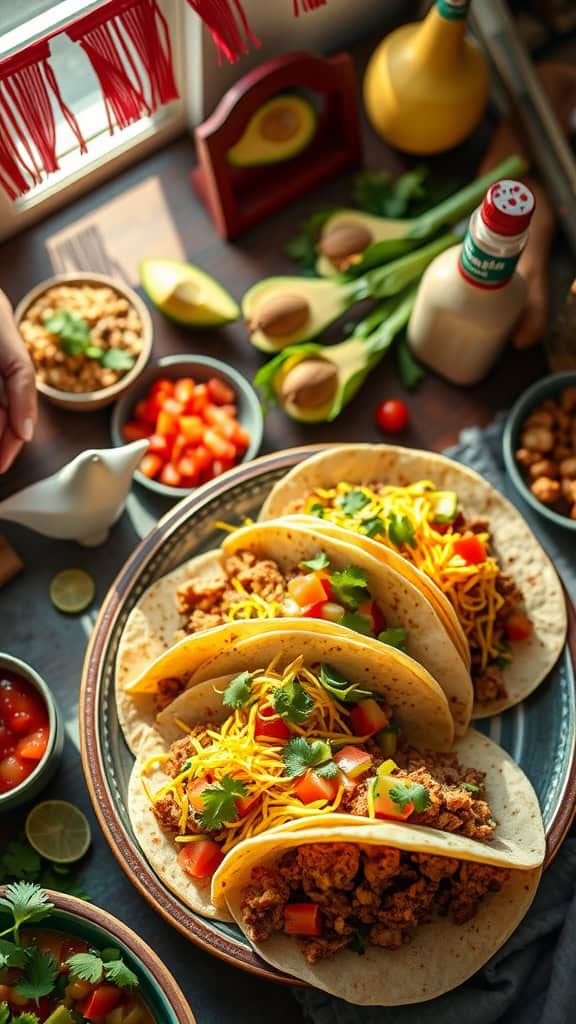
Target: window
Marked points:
24	22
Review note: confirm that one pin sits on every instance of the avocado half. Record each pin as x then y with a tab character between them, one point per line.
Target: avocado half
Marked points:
326	301
187	294
280	129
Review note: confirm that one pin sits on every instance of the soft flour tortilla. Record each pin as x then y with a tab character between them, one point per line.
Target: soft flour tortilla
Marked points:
515	546
440	956
419	705
153	623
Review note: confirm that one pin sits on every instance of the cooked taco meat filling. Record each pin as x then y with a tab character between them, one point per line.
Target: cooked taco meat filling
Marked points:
304	742
430	529
337	895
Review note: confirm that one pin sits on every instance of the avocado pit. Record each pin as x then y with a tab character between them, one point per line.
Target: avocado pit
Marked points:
281	316
309	384
344	243
280	124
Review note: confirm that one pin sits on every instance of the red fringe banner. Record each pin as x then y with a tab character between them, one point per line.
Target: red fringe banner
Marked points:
228	26
307	5
27	126
110	37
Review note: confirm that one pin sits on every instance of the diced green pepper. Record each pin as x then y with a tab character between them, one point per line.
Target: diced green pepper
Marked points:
387	740
445	506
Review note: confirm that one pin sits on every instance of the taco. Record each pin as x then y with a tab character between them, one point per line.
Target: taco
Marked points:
284	735
381	914
456	529
277	569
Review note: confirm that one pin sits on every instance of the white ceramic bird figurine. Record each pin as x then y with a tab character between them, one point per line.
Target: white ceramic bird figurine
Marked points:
82	500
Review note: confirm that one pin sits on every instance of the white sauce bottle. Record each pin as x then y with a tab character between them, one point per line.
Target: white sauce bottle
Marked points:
471	296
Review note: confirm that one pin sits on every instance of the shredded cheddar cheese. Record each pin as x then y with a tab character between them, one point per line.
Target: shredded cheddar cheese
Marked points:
470	588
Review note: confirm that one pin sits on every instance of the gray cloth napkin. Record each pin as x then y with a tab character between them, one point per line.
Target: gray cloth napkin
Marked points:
532	979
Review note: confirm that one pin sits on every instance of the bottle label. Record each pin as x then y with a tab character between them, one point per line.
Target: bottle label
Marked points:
452	10
482	268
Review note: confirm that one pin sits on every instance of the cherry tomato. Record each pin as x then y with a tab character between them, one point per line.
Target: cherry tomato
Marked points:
200	858
392	416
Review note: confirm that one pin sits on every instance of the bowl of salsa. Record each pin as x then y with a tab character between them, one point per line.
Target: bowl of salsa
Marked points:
31	733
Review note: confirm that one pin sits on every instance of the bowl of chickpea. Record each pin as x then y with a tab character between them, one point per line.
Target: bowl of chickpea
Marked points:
89	337
540	447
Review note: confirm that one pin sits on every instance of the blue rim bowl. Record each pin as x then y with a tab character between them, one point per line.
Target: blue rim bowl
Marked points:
201	368
548	387
47	766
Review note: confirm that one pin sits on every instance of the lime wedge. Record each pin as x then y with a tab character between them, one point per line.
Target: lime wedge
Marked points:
58	831
72	590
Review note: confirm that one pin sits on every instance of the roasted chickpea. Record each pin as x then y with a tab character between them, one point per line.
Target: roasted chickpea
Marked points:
544	467
526	458
546	490
540	418
568	489
539	439
568	467
568	399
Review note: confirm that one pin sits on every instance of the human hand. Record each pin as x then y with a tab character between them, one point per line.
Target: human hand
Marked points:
18	404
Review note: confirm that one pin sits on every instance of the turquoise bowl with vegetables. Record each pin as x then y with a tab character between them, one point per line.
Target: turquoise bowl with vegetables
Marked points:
76	962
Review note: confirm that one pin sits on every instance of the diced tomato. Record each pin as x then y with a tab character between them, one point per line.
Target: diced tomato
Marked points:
220	448
374	612
162	385
159	445
220	392
220	466
302	919
307	589
384	806
471	549
141	412
34	745
184	390
246	803
367	717
21	707
328	589
241	438
188	470
348	784
353	761
199	399
133	431
203	457
8	740
195	791
192	428
200	858
172	407
310	787
269	725
518	626
170	476
13	771
154	405
101	1001
167	423
178	448
151	465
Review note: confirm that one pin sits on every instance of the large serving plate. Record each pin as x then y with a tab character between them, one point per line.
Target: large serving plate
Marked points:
539	734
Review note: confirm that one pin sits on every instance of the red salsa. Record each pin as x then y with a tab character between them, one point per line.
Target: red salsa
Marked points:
24	729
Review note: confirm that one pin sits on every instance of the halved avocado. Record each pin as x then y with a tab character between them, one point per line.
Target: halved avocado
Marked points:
187	294
347	233
321	303
280	129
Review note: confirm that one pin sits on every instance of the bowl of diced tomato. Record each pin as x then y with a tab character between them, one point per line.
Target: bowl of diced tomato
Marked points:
200	417
31	733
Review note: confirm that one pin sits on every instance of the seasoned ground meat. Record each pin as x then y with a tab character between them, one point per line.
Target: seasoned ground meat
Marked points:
167	813
204	604
379	895
168	690
489	684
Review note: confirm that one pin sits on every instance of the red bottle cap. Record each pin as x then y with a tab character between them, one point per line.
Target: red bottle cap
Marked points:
508	207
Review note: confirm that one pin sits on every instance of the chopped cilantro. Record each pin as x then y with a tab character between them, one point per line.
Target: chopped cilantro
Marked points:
75	338
299	754
11	955
292	702
339	687
374	527
119	974
4	1013
317	510
350	586
26	1017
352	502
238	692
395	636
116	359
400	530
412	793
92	968
220	802
39	975
26	902
359	623
20	862
319	561
470	787
329	770
86	967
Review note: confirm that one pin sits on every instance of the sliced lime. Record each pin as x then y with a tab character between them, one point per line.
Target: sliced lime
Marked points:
72	590
58	831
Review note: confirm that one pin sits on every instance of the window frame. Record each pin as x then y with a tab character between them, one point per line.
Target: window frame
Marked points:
81	173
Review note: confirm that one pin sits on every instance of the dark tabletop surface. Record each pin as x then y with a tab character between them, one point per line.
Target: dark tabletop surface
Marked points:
151	210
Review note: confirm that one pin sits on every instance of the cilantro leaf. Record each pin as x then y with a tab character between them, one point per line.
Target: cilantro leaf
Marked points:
394	636
352	502
11	955
238	692
350	586
292	702
339	687
319	561
470	787
412	793
25	1018
117	359
400	530
220	802
39	975
4	1013
86	967
317	510
374	527
299	754
19	860
26	902
117	972
359	623
73	332
328	770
